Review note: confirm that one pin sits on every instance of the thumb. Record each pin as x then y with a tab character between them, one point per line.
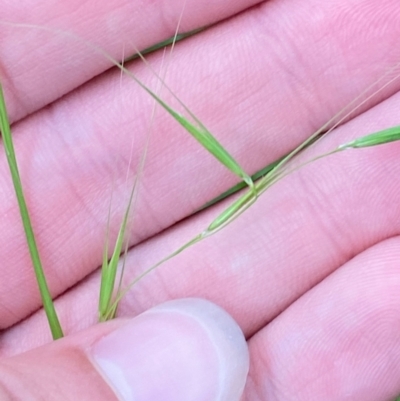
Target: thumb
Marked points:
182	350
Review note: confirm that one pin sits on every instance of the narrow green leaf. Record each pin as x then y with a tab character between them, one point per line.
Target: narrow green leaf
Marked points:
105	269
377	138
209	142
199	131
48	304
108	276
109	269
173	39
204	137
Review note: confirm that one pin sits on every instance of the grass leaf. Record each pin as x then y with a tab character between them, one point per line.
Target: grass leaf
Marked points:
377	138
170	41
209	142
48	304
200	133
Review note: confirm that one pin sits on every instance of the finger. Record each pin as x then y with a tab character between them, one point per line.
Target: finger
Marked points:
188	350
296	234
85	159
55	53
337	342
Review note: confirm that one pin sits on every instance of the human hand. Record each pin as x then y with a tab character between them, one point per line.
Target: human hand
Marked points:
309	272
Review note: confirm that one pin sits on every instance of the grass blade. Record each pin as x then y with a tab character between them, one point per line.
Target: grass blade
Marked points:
201	134
176	38
48	304
209	142
377	138
109	269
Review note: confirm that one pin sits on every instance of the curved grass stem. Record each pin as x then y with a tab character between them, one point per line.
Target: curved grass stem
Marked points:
238	207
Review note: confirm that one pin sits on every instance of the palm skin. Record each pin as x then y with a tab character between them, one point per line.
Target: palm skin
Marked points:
310	272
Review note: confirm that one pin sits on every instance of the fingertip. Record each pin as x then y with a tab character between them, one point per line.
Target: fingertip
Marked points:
187	349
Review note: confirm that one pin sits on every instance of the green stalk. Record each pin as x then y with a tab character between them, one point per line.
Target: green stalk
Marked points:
48	305
233	211
170	41
239	186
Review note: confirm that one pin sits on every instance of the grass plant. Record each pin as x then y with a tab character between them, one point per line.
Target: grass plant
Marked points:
256	185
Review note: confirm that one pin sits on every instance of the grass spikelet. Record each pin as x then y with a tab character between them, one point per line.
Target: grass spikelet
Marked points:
109	268
377	138
200	133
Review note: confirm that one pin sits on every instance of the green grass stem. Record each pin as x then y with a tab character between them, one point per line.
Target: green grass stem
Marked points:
248	198
48	304
200	133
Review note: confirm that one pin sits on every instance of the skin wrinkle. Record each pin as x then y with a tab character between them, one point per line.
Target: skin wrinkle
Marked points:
68	181
306	91
359	12
168	18
282	61
253	389
330	226
28	95
66	361
378	314
8	380
7	83
297	80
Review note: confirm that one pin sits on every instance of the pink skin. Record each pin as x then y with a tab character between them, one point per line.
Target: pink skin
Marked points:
309	272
